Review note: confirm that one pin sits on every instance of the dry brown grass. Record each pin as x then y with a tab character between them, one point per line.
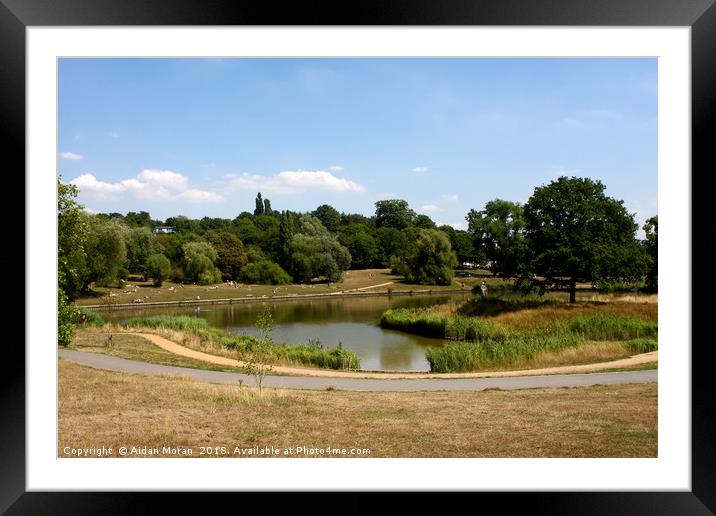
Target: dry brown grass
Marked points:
532	318
101	408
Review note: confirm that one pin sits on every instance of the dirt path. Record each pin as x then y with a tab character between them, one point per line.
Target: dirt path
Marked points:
177	349
370	286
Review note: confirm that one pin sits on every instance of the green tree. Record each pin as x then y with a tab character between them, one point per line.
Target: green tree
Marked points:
264	272
394	213
575	233
106	250
141	244
259	210
361	245
424	222
71	240
391	242
158	268
329	217
267	207
198	263
315	252
431	261
498	232
231	256
651	228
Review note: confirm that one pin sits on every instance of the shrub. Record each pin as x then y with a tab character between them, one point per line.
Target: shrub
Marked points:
264	272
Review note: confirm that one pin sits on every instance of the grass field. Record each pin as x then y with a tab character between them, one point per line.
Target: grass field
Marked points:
352	281
101	408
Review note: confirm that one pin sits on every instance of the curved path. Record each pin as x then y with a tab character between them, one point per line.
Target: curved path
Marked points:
177	349
100	361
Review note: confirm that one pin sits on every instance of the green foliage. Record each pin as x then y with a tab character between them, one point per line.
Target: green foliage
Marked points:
231	256
329	217
315	252
498	231
361	245
71	241
66	315
158	268
264	272
575	233
198	263
106	250
260	209
431	261
651	244
394	213
141	244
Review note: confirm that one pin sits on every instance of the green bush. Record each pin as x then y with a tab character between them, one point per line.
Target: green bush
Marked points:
264	272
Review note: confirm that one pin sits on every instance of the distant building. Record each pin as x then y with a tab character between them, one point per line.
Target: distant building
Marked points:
163	229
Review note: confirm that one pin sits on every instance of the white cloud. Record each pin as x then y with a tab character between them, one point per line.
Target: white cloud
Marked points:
336	168
194	195
420	170
149	184
71	156
165	178
294	181
113	134
431	208
450	198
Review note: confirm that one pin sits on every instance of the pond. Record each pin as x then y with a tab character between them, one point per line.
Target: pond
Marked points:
354	322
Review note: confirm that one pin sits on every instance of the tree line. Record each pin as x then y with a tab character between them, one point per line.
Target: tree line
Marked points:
569	231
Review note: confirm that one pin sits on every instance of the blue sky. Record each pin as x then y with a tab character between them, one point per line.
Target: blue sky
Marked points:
200	137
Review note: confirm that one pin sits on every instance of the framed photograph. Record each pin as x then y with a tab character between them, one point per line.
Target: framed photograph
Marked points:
400	252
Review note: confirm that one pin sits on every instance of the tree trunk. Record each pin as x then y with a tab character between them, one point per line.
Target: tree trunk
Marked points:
573	290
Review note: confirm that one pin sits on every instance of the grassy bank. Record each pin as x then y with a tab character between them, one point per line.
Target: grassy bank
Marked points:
601	421
196	332
521	332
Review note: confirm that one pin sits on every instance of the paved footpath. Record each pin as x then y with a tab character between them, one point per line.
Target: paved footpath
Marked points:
101	361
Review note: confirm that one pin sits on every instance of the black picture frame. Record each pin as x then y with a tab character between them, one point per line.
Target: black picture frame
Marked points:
699	15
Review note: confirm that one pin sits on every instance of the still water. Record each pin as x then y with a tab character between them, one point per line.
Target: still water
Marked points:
354	322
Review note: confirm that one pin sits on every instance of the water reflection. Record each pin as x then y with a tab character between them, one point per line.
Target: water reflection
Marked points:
351	321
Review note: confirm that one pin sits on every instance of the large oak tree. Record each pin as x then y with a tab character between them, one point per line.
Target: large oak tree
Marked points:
575	233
